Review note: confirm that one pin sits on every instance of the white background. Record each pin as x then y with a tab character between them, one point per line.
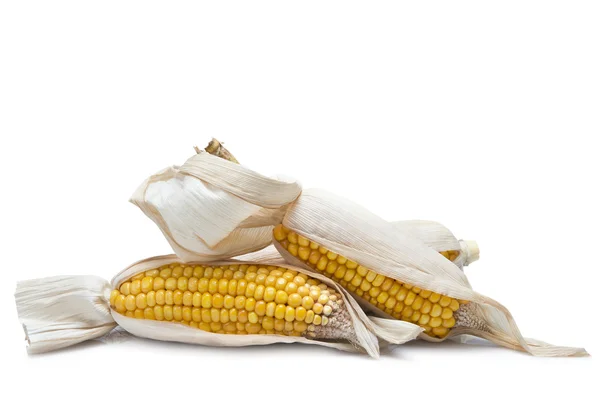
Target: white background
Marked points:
484	117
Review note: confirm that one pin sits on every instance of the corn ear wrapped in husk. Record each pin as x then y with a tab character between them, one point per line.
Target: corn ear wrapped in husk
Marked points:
347	229
211	208
57	312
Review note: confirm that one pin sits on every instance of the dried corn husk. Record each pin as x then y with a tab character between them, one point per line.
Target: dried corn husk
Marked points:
439	238
212	209
348	229
57	312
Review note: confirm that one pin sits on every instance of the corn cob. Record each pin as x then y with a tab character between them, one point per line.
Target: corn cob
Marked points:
435	313
234	299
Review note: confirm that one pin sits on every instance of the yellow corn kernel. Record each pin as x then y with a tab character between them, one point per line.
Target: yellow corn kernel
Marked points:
340	271
140	301
177	271
281	297
390	303
270	293
125	288
290	313
322	263
146	284
418	303
130	302
203	285
168	313
250	304
270	309
260	308
120	303
445	301
268	323
436	310
281	283
242	316
424	320
171	283
314	257
454	305
290	288
440	331
198	272
158	283
426	307
279	325
332	266
261	278
318	308
259	292
401	295
410	298
300	314
407	312
196	315
158	313
187	298
197	299
182	283
292	237
294	300
383	297
303	291
177	313
435	297
280	311
136	287
448	323
206	300
279	234
178	297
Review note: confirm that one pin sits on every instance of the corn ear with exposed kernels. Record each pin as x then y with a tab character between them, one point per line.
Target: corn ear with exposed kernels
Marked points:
232	303
433	312
392	274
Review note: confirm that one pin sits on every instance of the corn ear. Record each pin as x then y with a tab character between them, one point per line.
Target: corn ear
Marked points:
165	299
352	232
211	209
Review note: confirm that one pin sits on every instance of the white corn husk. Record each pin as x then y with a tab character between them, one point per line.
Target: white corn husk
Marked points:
57	312
212	209
61	311
438	237
346	228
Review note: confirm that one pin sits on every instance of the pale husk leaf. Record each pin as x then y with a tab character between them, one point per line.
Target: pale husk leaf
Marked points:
351	230
61	311
440	238
213	209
